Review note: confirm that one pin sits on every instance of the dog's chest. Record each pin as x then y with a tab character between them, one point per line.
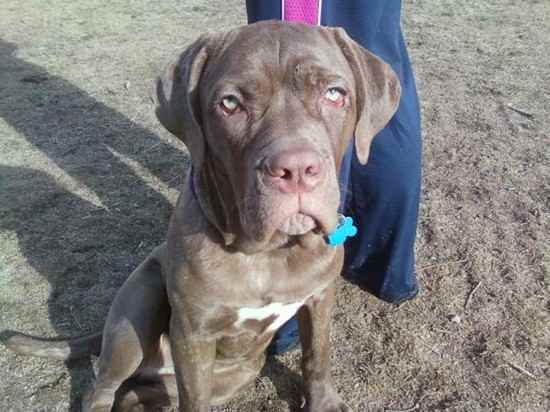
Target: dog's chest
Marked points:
273	315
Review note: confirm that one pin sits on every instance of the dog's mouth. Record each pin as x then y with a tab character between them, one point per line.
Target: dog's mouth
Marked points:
297	224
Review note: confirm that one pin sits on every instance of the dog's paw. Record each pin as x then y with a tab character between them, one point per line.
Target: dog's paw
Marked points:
324	398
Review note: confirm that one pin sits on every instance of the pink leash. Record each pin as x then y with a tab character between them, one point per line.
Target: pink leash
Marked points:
305	11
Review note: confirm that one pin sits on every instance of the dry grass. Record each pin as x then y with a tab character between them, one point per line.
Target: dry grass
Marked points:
87	180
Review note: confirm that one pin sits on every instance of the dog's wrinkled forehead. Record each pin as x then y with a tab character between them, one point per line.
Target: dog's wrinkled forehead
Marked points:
253	63
275	50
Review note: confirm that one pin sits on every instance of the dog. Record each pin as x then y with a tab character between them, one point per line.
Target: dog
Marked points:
267	112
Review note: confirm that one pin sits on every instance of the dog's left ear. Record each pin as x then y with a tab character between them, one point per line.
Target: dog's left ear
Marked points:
177	98
377	92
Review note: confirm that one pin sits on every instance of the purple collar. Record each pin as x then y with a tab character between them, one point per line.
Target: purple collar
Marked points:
192	183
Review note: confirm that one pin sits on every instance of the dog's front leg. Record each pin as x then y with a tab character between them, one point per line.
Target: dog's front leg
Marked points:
194	357
314	327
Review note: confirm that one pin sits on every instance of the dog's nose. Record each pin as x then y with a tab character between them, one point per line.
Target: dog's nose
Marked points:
294	171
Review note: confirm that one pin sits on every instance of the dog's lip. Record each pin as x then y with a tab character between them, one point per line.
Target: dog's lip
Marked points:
311	222
297	224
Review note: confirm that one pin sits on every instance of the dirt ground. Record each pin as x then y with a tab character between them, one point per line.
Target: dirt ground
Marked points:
88	180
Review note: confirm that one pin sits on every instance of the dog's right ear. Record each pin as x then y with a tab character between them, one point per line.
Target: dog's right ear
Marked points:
378	91
177	98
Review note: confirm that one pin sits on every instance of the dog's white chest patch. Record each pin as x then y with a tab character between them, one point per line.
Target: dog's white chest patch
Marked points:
284	312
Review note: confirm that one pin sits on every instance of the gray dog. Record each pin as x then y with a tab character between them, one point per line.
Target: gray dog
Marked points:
267	112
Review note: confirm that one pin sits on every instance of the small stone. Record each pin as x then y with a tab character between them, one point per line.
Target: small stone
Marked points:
455	318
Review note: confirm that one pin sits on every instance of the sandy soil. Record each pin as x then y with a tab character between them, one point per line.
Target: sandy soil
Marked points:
88	179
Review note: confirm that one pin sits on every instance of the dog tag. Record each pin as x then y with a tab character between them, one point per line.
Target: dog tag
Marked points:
345	229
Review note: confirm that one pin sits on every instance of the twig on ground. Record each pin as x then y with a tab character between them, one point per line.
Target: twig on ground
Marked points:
412	408
469	298
154	146
50	384
521	370
450	262
520	111
138	247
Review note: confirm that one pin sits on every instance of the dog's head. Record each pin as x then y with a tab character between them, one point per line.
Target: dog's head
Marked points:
267	112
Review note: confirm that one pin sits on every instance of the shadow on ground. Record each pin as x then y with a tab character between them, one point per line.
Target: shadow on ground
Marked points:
94	245
288	383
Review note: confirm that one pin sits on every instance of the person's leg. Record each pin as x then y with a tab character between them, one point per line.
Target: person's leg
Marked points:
383	195
258	10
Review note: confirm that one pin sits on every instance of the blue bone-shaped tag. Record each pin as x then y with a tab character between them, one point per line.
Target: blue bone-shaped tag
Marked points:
344	230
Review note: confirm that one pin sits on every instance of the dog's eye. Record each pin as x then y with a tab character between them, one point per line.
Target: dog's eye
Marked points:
335	96
230	105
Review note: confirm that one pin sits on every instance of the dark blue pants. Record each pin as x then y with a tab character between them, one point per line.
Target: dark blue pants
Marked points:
383	195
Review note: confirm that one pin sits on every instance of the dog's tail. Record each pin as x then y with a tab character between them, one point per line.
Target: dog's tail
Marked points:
62	349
